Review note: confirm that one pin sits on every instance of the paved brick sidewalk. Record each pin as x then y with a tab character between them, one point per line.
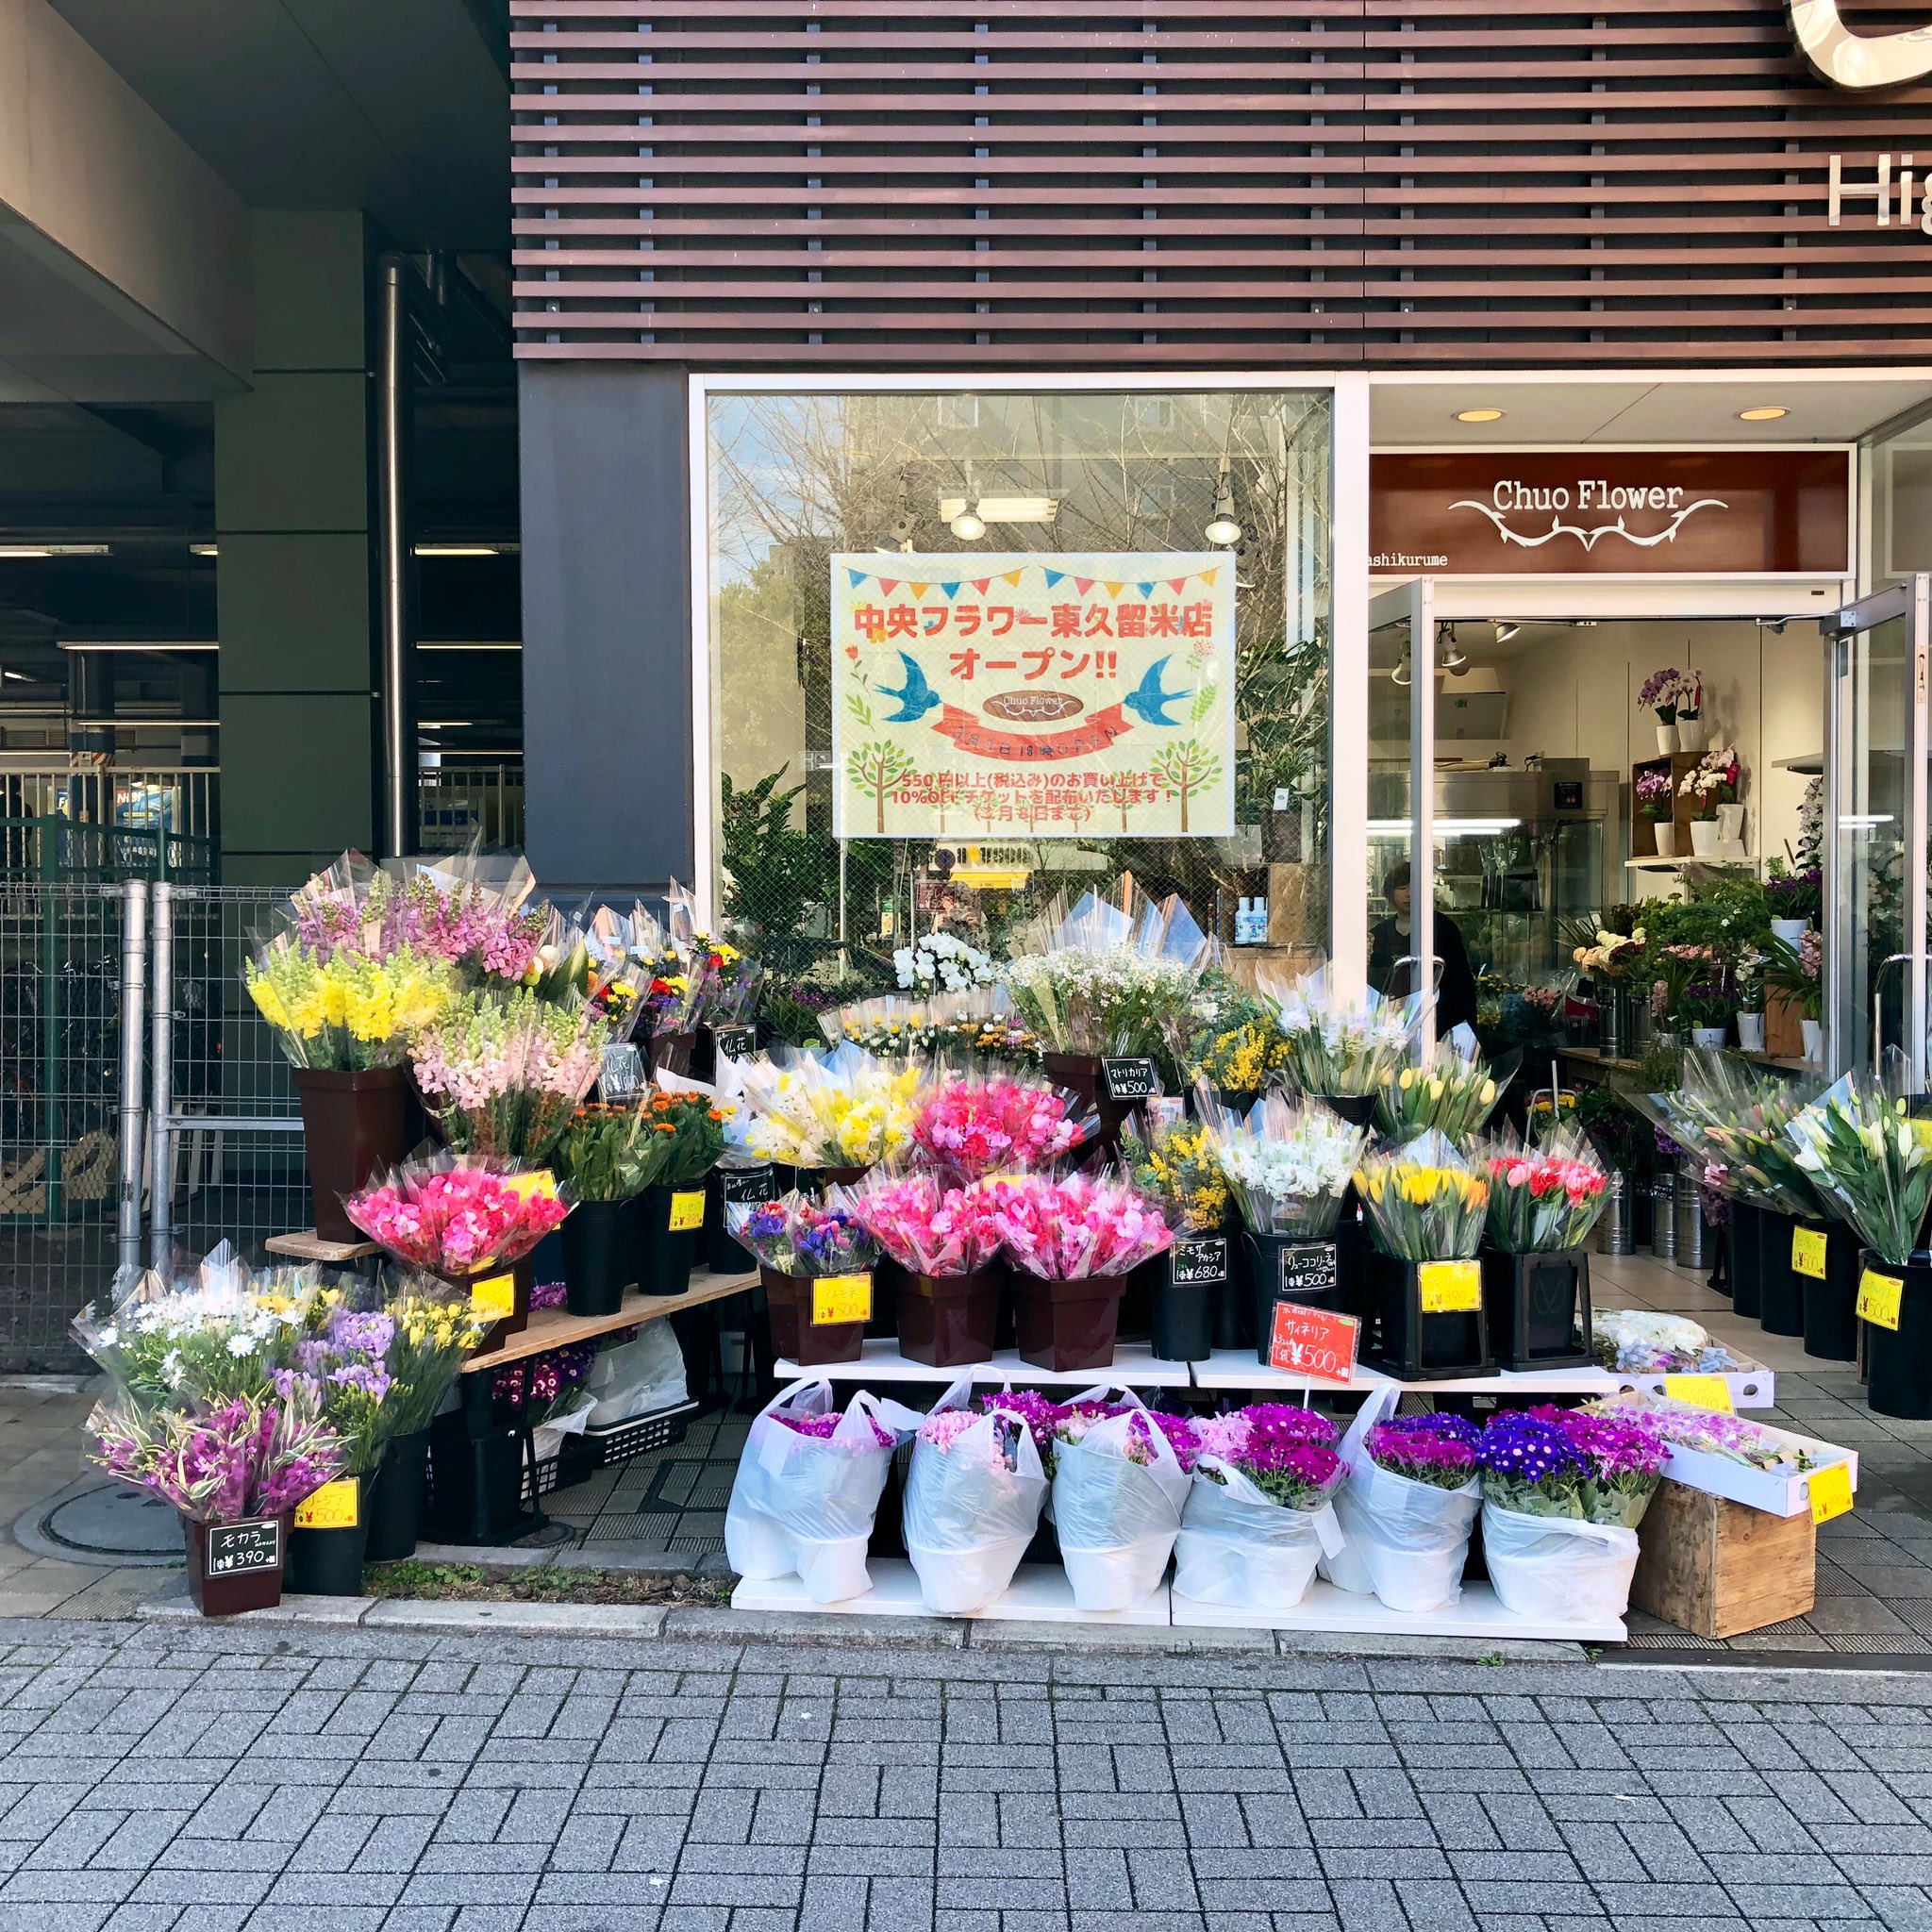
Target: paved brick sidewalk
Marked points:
189	1779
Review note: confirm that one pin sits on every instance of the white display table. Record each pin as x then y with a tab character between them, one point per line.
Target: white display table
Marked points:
1135	1366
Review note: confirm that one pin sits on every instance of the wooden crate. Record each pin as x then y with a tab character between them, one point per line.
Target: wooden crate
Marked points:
1784	1031
1718	1569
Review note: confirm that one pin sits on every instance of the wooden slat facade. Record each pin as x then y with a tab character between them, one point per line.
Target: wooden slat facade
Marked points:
1199	184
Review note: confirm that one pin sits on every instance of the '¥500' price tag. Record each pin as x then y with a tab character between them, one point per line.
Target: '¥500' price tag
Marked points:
332	1507
840	1298
495	1300
1807	1252
1450	1288
1879	1296
1707	1391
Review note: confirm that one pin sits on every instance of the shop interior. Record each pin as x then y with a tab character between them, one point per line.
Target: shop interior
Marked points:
1540	737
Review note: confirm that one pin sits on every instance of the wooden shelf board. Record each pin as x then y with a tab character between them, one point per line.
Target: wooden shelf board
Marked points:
304	1246
554	1327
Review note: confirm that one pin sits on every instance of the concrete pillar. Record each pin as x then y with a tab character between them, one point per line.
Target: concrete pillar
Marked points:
295	579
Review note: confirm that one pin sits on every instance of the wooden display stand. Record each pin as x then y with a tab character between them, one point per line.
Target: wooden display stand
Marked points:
1784	1033
1718	1568
1643	830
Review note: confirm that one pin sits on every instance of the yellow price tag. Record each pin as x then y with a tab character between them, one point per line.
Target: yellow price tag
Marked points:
335	1506
1450	1288
1830	1490
1879	1296
539	1180
687	1212
495	1300
1707	1391
1807	1252
837	1299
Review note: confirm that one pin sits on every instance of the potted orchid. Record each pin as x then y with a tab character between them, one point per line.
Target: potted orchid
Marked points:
1793	899
1665	692
1710	788
1655	798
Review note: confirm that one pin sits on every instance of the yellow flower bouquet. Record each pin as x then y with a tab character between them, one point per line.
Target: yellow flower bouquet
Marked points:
844	1109
345	1011
1452	1088
1424	1201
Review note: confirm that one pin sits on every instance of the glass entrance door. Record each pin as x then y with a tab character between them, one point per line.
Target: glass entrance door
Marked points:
1874	888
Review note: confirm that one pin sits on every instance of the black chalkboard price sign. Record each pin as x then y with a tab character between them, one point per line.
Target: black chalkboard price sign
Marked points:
1199	1258
1129	1079
1308	1267
234	1549
750	1184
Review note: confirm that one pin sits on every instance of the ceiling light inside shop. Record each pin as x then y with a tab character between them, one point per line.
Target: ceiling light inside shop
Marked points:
1505	631
1003	509
1863	821
1445	828
969	525
1483	415
17	550
16	676
1450	656
1402	674
138	644
465	549
1768	412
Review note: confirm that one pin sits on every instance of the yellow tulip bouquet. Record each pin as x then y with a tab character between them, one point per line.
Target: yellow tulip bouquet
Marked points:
1452	1088
1424	1201
345	1011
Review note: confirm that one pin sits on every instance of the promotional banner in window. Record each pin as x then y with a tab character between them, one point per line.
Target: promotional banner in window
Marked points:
1055	695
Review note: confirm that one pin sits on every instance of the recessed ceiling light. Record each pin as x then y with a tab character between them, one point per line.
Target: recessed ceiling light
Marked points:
1478	415
466	549
15	550
204	550
1769	413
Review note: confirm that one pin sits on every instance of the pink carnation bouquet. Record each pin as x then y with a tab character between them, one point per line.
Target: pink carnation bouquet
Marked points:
1077	1225
458	1215
925	1225
972	1125
1545	1199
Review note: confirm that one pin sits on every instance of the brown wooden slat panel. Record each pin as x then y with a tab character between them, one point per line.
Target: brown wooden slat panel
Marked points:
1198	184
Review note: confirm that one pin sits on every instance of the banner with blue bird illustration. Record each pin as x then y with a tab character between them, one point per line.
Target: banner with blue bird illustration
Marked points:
1042	697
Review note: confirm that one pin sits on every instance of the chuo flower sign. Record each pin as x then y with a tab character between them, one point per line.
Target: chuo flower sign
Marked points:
1046	696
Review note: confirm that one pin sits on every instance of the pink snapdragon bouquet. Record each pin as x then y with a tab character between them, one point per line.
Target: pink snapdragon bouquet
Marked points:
457	1215
972	1126
928	1227
1077	1225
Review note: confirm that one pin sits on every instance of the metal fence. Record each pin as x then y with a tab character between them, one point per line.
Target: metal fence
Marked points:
460	799
225	1159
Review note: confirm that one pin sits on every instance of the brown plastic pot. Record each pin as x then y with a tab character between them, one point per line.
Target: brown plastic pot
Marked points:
670	1053
947	1320
353	1126
1067	1325
1082	1076
795	1337
261	1544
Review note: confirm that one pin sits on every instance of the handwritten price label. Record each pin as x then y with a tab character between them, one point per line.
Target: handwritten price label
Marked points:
1315	1342
1706	1392
1879	1296
687	1212
837	1299
335	1506
495	1300
1807	1252
1830	1490
1450	1288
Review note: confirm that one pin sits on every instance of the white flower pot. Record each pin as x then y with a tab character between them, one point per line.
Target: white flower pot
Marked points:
1730	825
1703	838
1790	930
1750	1032
1814	1040
1666	737
1709	1036
1666	831
1690	733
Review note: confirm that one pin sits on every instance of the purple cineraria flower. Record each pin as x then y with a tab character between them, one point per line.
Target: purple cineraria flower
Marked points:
1435	1449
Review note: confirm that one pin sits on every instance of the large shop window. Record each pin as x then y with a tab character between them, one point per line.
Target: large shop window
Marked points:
973	652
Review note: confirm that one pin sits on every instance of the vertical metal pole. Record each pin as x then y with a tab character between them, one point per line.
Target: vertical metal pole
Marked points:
54	839
1840	1002
1918	748
161	1183
133	1069
1421	798
1348	689
395	562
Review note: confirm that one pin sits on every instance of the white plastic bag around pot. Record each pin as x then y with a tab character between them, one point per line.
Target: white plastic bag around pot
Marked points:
1117	1519
967	1517
1556	1569
1405	1541
638	1377
1243	1551
805	1503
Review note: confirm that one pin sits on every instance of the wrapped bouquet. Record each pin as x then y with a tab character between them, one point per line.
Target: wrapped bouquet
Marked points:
1288	1165
1452	1088
841	1109
971	1125
458	1215
796	1235
1341	1045
1077	1225
1870	1158
1544	1199
928	1227
1424	1201
345	1011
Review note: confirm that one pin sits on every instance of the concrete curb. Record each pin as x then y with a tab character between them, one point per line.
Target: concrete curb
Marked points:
701	1625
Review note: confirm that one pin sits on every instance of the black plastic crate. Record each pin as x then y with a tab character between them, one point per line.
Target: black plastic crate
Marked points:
638	1435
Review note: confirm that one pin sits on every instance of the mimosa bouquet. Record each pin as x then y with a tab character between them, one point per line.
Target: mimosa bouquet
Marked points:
459	1214
1871	1159
1544	1199
1288	1164
1423	1201
1343	1046
842	1108
926	1225
345	1010
1077	1224
794	1235
1177	1166
1452	1088
1103	979
503	1074
970	1125
444	912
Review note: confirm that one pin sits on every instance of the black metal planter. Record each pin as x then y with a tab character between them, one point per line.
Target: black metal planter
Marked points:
1190	1292
328	1562
1831	1304
1781	1291
1416	1345
667	1223
1898	1362
1747	1277
1538	1307
393	1499
598	1250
